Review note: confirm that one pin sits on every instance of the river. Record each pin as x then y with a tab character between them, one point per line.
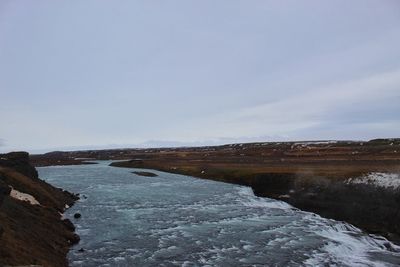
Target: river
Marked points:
177	220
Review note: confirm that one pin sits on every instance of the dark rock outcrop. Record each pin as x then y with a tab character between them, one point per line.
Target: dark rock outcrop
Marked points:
68	224
4	190
19	161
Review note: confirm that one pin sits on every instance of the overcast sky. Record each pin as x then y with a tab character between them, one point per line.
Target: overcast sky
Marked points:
76	74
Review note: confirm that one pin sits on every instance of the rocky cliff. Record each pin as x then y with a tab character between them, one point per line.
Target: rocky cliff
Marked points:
32	231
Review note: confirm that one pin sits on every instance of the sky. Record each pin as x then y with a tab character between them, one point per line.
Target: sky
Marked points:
101	74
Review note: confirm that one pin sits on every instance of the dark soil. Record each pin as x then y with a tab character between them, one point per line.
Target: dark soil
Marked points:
32	234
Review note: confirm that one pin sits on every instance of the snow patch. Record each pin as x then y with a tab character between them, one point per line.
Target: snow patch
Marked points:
316	142
378	179
24	197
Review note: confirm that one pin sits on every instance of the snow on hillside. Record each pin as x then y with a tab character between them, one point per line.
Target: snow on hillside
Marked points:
378	179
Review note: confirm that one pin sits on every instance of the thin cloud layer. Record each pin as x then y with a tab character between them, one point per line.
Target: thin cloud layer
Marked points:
183	72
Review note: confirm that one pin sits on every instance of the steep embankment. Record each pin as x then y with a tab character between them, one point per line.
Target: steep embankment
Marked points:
31	228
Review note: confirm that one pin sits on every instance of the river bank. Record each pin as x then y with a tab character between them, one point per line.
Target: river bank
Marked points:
32	228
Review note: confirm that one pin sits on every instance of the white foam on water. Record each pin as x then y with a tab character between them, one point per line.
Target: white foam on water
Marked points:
168	252
119	258
348	247
278	241
250	200
248	247
378	179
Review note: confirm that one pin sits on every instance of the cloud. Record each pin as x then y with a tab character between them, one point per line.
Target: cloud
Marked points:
318	102
133	72
3	147
333	105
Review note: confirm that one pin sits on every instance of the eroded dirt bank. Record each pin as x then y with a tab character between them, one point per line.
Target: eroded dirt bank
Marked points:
32	231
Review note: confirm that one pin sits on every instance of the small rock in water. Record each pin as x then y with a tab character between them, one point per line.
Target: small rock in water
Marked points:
77	215
81	250
148	174
74	239
68	224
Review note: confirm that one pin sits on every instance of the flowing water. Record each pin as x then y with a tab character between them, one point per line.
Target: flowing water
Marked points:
177	220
